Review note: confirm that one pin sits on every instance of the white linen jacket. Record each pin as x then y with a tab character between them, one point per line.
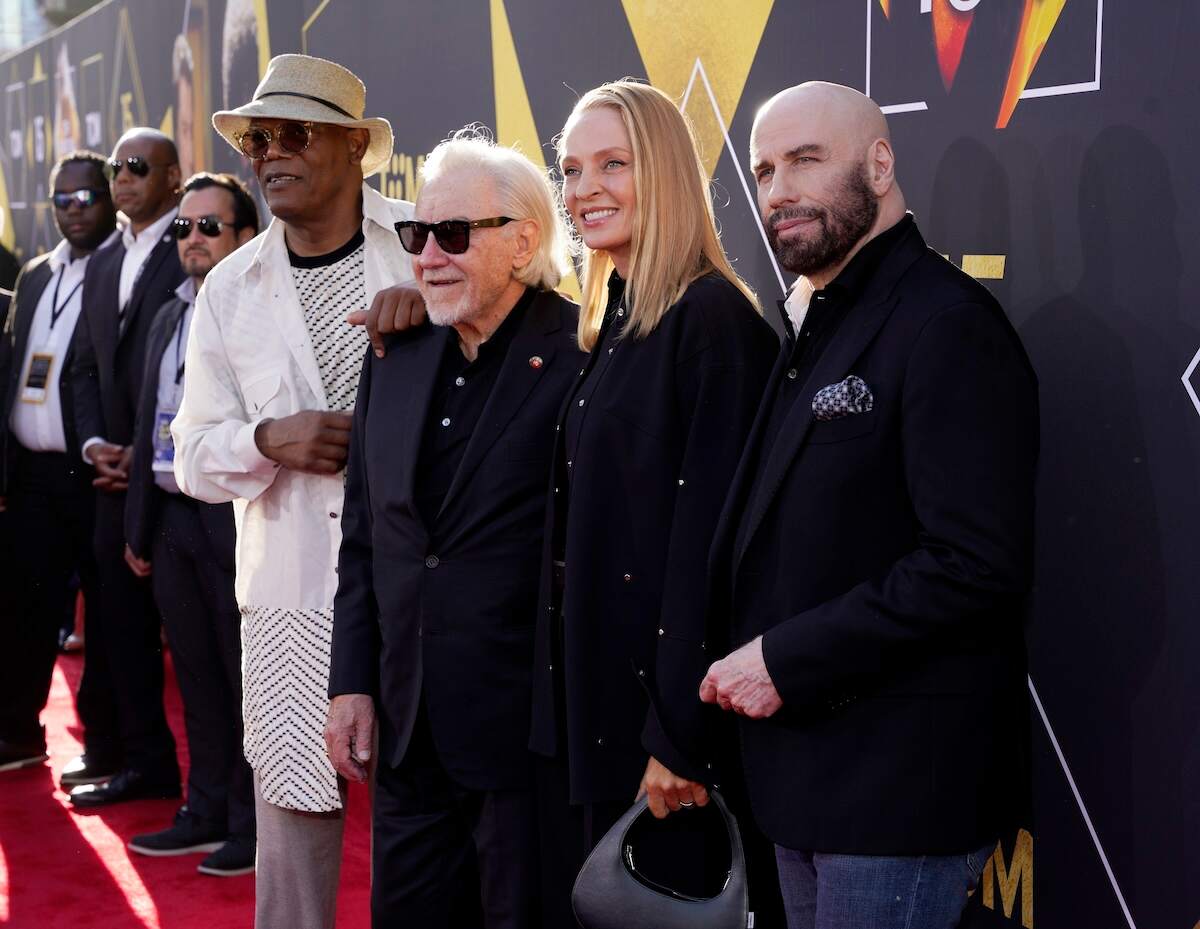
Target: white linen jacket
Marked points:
249	357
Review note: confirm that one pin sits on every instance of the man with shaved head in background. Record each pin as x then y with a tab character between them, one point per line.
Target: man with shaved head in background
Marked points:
876	550
126	284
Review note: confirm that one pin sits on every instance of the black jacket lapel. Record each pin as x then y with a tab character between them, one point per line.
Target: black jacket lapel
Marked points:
515	382
156	257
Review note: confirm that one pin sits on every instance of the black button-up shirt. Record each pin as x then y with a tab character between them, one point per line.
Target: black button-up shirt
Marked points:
460	392
826	310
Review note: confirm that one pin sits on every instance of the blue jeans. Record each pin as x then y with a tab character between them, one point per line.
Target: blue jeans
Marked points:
871	892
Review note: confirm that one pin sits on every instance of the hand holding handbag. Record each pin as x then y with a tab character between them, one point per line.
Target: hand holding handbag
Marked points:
610	893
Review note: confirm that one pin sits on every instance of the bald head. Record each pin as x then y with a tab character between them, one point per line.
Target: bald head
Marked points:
159	143
824	167
146	181
838	114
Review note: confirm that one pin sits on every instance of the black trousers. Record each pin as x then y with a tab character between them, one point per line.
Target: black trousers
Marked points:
195	596
48	532
131	628
444	855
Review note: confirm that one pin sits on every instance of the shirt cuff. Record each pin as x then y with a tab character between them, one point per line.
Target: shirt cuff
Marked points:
245	449
94	440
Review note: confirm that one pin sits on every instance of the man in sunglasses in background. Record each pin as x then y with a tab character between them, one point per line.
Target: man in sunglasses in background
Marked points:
126	285
47	491
272	371
186	548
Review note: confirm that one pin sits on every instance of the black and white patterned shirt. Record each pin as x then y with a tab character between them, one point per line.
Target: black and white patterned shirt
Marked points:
286	651
330	287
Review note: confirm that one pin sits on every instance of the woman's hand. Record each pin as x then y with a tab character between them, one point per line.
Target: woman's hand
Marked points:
666	792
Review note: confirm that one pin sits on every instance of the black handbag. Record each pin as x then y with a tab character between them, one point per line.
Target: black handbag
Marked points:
610	893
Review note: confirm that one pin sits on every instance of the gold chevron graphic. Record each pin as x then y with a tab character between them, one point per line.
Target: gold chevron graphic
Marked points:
515	126
886	12
1037	22
722	34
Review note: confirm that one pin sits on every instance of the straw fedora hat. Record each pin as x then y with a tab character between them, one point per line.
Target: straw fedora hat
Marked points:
309	89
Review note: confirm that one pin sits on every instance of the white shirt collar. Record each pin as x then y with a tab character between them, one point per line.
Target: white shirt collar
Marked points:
376	210
187	291
796	305
61	253
152	233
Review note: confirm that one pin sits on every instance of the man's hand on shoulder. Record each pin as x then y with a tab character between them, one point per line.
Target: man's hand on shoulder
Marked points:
312	441
740	682
394	309
349	730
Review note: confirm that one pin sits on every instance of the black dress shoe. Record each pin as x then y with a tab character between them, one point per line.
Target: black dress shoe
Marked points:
233	858
128	784
16	755
189	833
84	769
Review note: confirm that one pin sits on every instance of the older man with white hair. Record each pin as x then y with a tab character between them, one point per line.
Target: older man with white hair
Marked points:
272	371
442	535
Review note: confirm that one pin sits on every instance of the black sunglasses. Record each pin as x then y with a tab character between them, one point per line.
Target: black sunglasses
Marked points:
137	165
84	197
292	137
453	235
209	226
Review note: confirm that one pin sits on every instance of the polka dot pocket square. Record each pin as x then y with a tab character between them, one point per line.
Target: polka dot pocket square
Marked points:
837	401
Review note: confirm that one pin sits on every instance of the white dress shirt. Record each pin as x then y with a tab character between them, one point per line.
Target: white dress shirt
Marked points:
39	426
250	357
171	371
137	249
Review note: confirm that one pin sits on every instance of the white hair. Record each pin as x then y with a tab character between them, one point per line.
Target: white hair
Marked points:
524	191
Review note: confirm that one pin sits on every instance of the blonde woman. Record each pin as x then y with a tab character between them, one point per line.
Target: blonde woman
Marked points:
647	443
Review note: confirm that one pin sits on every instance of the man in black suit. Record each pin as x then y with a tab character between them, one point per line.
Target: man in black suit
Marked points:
442	533
125	286
876	550
46	488
186	548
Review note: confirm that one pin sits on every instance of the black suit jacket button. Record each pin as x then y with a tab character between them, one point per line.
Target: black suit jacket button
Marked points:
432	561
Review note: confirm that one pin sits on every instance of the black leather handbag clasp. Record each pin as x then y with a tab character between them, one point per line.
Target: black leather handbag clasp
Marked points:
610	893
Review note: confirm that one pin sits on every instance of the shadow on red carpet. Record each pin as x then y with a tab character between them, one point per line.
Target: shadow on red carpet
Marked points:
64	870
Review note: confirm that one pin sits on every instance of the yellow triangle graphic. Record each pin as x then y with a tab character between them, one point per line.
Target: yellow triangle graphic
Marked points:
167	126
39	72
514	117
722	34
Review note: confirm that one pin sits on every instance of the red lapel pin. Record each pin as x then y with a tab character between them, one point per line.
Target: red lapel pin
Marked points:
535	362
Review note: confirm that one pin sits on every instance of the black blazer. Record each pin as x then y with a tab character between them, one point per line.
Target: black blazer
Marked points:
144	498
108	364
654	460
887	557
31	283
445	613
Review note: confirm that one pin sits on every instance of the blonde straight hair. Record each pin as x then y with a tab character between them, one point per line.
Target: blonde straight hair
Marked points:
675	238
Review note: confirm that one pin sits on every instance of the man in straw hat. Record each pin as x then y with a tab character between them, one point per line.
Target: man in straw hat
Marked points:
272	372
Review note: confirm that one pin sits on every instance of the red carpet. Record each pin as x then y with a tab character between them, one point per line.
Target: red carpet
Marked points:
63	869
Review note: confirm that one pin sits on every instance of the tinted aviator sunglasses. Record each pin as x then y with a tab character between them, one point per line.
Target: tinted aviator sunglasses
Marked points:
453	236
209	226
83	198
292	137
137	165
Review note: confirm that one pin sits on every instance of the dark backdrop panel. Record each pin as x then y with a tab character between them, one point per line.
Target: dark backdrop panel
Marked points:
1076	214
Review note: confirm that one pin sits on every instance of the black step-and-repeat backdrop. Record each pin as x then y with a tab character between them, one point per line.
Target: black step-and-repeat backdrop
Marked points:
1047	146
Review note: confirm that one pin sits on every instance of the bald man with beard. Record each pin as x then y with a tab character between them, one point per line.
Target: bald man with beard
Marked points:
126	284
875	554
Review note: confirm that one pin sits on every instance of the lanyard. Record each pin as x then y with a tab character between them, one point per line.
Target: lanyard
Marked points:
180	361
56	308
